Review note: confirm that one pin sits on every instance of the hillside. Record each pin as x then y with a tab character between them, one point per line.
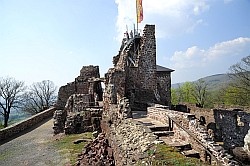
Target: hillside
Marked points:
214	82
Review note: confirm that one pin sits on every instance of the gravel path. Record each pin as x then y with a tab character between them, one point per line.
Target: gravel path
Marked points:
32	149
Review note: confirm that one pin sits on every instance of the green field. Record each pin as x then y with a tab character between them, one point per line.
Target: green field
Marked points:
15	116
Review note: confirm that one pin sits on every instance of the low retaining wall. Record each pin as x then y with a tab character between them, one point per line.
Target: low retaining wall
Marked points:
25	124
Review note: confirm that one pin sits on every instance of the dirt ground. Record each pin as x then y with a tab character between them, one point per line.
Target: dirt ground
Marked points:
33	149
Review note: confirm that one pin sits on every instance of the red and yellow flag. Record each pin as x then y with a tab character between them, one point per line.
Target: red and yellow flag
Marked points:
139	10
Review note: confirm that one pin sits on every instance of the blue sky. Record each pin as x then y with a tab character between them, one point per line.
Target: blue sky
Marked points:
53	39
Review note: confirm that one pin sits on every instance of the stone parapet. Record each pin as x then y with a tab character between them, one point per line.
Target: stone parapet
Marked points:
25	124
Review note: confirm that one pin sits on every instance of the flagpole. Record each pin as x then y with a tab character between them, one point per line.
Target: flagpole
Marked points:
136	16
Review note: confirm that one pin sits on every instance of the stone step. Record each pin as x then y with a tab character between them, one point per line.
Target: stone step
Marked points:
158	128
181	146
178	144
191	153
163	133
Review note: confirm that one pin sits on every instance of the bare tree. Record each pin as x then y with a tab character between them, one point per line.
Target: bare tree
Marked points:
11	95
199	92
240	74
41	95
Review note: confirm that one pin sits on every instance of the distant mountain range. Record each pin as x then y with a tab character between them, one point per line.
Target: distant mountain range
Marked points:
215	82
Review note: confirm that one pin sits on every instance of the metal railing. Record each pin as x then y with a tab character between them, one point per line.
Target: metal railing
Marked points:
196	139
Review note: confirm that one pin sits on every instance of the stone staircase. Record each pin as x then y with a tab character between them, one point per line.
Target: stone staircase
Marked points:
167	136
162	131
183	147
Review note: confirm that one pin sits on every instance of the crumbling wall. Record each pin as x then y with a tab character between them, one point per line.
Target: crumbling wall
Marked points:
77	116
232	107
207	113
234	126
114	87
129	139
64	93
144	77
83	84
77	103
147	60
202	112
137	59
88	72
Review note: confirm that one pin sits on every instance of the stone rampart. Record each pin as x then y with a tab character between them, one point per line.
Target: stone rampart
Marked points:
129	139
186	128
25	124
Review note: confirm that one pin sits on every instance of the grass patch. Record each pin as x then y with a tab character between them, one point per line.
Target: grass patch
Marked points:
68	149
162	154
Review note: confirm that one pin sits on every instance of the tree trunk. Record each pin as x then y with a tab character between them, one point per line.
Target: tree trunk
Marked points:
6	118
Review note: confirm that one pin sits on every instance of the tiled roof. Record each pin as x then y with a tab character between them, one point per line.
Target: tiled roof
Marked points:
163	69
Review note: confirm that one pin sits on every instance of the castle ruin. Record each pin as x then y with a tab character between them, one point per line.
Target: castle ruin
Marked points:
136	82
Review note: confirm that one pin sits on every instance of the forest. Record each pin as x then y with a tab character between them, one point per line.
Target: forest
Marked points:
233	90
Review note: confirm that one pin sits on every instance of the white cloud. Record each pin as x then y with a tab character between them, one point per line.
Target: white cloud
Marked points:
172	17
196	57
196	62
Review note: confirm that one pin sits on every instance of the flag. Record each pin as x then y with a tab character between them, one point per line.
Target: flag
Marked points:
139	11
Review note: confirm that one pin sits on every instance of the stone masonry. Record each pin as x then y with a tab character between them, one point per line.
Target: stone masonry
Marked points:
89	83
25	124
129	139
238	121
77	116
200	139
77	104
135	74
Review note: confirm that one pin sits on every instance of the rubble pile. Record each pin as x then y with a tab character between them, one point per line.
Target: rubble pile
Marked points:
97	153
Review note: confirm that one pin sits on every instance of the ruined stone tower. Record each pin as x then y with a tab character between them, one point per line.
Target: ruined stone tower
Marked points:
135	74
87	83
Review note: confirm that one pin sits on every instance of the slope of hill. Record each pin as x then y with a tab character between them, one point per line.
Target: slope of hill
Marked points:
215	82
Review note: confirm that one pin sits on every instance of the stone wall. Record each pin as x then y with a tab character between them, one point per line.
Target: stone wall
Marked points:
232	107
79	115
78	102
88	82
129	139
193	133
208	114
25	124
114	85
163	87
136	67
147	59
88	72
234	126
